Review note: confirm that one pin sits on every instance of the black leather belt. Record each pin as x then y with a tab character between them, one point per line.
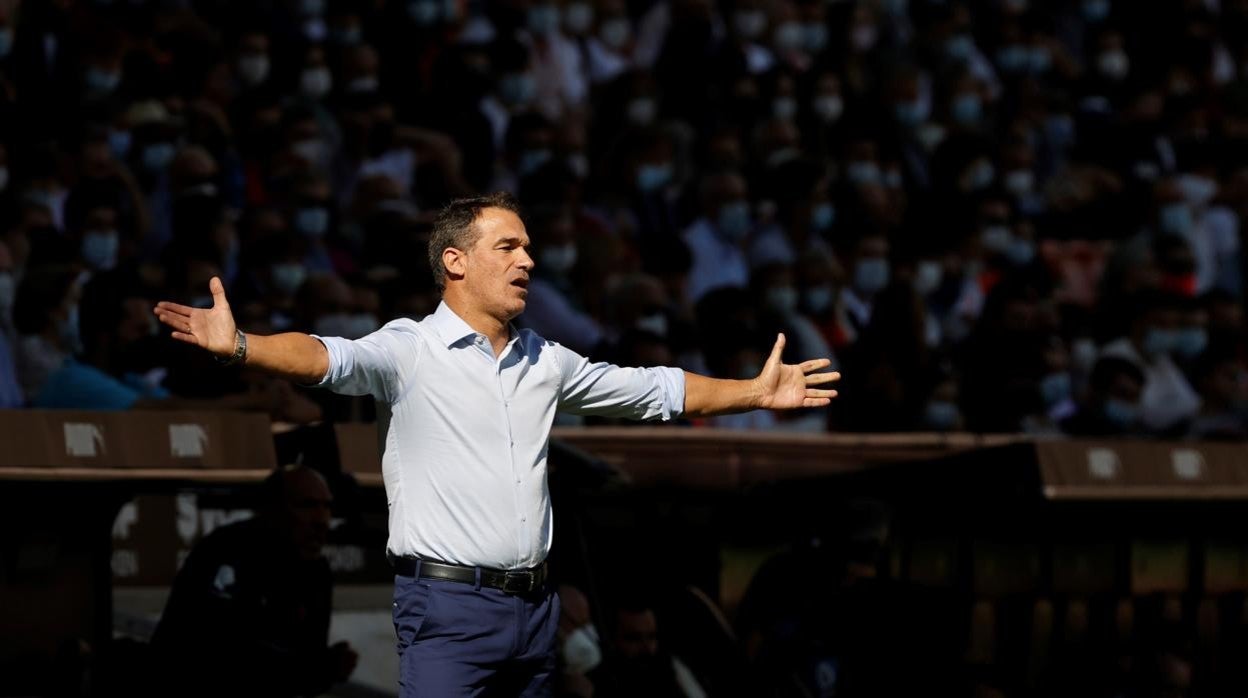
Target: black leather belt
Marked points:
508	581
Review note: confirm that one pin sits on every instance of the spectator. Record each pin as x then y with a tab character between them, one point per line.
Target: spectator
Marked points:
249	610
1111	406
635	664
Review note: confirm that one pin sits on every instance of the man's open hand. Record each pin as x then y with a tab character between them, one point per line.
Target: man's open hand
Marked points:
211	328
787	386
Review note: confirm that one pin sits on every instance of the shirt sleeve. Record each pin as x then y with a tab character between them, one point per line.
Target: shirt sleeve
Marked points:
377	364
607	390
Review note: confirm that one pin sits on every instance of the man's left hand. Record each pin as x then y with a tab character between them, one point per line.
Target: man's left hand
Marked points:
783	386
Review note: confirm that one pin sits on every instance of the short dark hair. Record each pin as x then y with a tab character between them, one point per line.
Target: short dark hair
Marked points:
453	227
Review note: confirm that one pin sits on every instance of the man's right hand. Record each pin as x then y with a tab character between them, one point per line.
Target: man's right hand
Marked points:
211	328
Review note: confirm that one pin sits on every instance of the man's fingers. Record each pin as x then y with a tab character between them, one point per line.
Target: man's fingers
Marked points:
777	350
174	320
816	402
174	308
814	365
184	337
218	292
812	392
821	378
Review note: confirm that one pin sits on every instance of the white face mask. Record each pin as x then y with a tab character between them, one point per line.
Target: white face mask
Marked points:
580	650
559	259
828	107
253	68
316	82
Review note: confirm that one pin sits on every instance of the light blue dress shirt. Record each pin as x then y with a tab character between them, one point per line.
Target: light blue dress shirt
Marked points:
464	434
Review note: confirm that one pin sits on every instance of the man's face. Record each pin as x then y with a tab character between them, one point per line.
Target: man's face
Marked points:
636	634
496	269
308	513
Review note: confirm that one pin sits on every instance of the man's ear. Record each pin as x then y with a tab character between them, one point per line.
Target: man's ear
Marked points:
455	261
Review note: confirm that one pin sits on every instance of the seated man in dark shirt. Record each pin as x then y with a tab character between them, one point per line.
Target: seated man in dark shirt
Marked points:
249	611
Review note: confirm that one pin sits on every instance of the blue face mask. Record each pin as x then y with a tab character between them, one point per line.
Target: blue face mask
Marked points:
863	173
1013	58
909	114
959	46
1159	342
544	19
101	81
1096	10
940	415
1189	342
967	109
100	248
1055	388
734	220
871	275
119	143
1176	218
287	277
312	222
531	160
424	12
517	89
1121	413
6	42
818	299
157	156
822	217
653	177
782	299
1020	252
558	259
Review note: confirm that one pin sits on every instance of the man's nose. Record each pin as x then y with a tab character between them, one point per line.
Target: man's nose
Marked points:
526	261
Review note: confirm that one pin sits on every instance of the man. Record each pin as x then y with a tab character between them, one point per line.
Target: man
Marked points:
465	405
249	611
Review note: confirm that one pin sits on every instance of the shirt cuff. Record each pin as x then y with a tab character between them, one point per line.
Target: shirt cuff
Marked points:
673	382
336	348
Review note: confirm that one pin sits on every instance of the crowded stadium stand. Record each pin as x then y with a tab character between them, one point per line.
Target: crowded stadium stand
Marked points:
1014	226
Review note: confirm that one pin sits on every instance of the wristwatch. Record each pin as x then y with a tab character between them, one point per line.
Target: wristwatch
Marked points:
240	350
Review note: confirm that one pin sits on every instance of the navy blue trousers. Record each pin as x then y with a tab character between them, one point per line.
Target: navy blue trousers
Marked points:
456	639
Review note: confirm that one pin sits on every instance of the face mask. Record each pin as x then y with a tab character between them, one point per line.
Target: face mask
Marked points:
311	150
959	46
615	32
967	109
734	220
6	42
1113	64
579	164
253	68
559	259
910	114
1055	388
1020	252
930	136
1189	342
996	238
424	13
781	156
347	36
784	108
119	143
1013	58
580	650
100	81
531	160
543	19
1020	182
1121	413
99	249
157	156
871	275
315	83
1039	59
1176	218
1096	10
8	290
578	17
818	299
981	175
312	221
750	24
822	216
814	37
927	277
940	415
828	107
863	37
1198	190
782	299
863	173
642	111
651	177
517	89
1159	342
789	36
287	277
654	323
363	84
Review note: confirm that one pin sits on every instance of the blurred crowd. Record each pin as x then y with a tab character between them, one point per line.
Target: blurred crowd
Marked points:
994	215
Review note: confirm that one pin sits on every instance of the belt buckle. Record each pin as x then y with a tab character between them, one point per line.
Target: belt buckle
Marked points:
520	588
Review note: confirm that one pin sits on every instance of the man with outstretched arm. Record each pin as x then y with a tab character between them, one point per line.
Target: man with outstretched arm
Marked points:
465	405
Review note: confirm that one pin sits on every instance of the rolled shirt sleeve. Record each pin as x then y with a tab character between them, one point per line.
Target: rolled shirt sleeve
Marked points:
378	364
607	390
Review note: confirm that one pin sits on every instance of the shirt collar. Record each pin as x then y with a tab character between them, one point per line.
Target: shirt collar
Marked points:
451	328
